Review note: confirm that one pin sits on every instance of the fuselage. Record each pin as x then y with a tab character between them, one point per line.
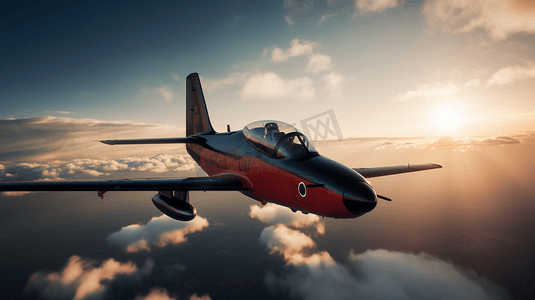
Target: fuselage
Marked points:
311	184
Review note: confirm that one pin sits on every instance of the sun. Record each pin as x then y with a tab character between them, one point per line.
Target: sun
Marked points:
447	118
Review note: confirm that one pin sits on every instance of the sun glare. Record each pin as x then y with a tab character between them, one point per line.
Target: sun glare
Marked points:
447	118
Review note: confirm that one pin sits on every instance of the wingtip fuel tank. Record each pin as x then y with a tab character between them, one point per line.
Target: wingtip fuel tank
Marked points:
174	208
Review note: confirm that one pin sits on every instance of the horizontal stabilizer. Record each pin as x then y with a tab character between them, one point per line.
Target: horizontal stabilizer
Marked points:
384	171
214	183
182	140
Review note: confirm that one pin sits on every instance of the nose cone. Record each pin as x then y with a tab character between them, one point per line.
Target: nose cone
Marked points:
359	198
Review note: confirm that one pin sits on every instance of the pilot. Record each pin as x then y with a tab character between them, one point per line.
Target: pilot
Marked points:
271	133
270	128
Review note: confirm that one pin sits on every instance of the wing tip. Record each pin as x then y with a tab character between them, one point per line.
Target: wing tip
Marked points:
108	142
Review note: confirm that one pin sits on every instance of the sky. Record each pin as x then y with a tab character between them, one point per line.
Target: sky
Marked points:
387	68
448	82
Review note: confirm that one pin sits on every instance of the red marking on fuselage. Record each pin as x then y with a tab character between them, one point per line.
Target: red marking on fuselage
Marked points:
270	183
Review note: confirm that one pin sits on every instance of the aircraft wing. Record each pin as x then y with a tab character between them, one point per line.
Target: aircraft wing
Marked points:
189	139
383	171
213	183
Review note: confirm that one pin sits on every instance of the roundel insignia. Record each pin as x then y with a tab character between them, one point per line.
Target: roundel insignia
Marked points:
302	189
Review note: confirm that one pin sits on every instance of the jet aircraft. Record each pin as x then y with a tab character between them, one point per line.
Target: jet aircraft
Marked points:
269	161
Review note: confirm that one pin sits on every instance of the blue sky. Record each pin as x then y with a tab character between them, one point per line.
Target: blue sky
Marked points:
387	68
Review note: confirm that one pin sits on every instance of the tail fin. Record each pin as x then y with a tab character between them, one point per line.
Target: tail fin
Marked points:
197	120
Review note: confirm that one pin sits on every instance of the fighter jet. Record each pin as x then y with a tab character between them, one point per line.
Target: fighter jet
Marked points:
269	161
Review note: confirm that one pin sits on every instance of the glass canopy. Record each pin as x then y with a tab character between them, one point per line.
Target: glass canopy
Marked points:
278	139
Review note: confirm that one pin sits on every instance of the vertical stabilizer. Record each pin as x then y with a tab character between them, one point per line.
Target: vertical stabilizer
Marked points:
197	120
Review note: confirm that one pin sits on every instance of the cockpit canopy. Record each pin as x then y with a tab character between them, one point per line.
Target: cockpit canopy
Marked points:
278	140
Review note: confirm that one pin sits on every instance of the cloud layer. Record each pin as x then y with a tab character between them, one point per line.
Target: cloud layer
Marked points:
374	274
84	168
49	138
459	144
383	274
158	232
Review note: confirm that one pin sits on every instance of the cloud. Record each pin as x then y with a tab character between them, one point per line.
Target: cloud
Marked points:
175	76
156	294
299	6
325	17
53	170
472	143
232	79
49	138
374	274
293	245
331	3
276	214
82	168
318	63
203	297
376	5
430	90
528	137
163	294
81	279
333	81
499	17
459	144
473	83
432	143
161	94
384	146
270	85
159	231
297	48
288	20
15	194
383	274
60	112
510	74
166	94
